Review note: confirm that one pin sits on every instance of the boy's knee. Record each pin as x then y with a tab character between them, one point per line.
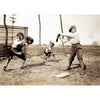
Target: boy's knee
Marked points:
80	58
71	58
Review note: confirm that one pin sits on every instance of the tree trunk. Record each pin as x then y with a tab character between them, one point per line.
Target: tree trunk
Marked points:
6	29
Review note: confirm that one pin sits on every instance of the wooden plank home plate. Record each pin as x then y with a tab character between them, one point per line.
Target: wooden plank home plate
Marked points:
62	75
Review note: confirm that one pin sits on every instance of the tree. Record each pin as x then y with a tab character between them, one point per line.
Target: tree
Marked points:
95	43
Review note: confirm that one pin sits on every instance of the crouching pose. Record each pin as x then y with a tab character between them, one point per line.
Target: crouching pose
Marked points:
48	51
76	48
17	48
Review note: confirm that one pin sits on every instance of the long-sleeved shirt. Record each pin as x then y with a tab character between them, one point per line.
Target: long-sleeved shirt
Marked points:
72	37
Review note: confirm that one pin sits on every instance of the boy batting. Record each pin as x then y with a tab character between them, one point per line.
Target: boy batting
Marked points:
76	48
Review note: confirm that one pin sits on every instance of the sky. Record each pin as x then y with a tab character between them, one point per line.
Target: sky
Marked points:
87	26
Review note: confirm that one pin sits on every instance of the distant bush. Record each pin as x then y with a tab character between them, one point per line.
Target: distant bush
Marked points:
95	43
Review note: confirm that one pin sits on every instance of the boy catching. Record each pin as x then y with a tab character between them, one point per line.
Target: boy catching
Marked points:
76	48
17	48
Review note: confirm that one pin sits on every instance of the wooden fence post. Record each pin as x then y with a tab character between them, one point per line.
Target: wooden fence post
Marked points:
39	34
62	32
39	29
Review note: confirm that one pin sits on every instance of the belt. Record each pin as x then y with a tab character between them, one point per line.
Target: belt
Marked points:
76	44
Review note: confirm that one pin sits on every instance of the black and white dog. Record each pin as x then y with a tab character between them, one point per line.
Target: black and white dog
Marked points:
17	48
48	51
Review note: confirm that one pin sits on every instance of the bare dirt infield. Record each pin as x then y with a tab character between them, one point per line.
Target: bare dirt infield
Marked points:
38	73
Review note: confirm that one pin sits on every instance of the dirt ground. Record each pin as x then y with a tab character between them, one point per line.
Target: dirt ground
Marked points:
38	73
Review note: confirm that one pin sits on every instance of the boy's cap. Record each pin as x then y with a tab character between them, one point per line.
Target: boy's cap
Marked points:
71	27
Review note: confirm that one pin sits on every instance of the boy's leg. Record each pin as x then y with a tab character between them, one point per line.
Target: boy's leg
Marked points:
23	57
49	54
45	54
80	58
9	59
52	54
71	59
72	55
23	64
